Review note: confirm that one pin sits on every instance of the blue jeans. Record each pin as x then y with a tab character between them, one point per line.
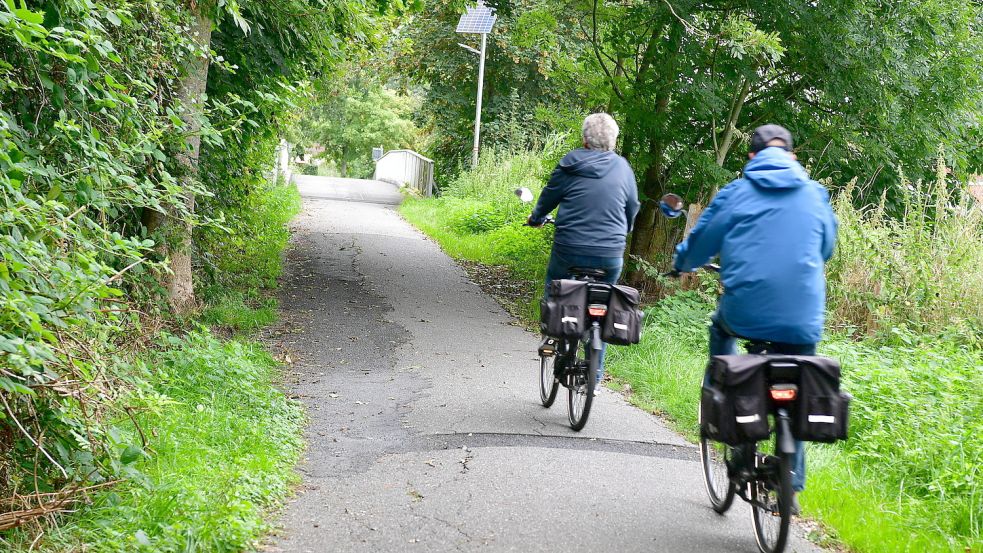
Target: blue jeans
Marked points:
723	341
560	265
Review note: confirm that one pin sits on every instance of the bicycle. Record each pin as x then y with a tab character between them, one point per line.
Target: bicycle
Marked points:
762	480
574	362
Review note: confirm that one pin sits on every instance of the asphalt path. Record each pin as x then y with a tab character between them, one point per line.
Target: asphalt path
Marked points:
425	429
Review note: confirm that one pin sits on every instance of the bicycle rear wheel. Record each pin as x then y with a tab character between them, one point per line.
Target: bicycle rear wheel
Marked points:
548	384
713	457
771	504
580	393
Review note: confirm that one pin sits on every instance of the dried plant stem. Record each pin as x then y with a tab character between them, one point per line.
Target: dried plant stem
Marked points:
29	437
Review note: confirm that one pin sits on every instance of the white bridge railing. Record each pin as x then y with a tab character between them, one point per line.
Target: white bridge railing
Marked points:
406	168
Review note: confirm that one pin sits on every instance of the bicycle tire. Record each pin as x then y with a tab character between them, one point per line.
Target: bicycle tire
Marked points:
720	488
770	534
580	395
548	384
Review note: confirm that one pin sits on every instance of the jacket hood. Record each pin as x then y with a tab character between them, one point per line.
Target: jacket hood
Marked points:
774	168
588	163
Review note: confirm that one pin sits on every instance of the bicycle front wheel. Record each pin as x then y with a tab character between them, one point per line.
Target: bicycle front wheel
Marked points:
713	457
548	384
771	503
580	394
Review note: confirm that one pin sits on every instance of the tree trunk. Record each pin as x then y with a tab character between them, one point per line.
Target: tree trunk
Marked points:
191	93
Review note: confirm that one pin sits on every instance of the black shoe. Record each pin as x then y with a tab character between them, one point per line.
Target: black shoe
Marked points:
795	504
547	347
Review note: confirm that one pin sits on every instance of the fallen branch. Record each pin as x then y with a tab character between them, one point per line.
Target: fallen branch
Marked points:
59	502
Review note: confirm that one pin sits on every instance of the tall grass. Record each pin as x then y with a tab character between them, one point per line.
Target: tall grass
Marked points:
921	270
905	300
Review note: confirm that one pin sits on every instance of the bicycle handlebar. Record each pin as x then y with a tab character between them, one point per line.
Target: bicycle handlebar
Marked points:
712	267
548	221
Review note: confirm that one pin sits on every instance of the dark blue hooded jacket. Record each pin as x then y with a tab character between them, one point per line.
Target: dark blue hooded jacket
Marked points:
598	201
774	230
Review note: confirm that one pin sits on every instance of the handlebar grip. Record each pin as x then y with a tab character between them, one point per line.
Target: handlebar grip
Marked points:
547	221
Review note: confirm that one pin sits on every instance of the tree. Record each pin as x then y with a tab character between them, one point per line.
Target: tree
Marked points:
190	103
867	87
353	120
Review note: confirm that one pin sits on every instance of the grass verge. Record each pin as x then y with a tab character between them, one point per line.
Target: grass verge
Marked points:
212	439
221	442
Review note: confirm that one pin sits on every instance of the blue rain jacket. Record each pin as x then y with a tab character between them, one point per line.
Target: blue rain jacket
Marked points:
773	230
598	201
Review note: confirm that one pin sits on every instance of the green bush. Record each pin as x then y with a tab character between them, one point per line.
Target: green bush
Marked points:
88	131
523	249
246	253
477	217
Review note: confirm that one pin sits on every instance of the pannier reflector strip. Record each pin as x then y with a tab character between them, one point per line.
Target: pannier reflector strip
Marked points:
620	326
568	319
829	419
748	419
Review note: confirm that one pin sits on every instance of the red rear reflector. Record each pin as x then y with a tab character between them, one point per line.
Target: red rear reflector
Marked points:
783	395
597	310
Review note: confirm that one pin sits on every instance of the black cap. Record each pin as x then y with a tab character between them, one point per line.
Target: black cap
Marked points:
765	134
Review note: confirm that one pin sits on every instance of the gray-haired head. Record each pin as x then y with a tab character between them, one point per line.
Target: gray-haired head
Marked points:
600	132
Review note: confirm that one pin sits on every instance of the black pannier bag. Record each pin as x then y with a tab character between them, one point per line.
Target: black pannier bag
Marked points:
822	411
564	314
734	405
623	323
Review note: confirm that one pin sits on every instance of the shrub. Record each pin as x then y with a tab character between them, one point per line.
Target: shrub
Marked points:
478	217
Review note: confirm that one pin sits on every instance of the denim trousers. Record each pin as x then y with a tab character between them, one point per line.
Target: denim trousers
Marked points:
559	267
723	341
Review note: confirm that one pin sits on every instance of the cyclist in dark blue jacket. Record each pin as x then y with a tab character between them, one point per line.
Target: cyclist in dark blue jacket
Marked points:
774	230
597	195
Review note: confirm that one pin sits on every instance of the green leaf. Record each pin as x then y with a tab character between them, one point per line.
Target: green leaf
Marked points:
13	387
113	18
30	16
131	454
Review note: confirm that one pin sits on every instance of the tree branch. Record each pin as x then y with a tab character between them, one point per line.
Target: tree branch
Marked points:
735	112
597	53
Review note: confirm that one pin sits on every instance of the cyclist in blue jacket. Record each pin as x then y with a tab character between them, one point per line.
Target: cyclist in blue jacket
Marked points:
774	230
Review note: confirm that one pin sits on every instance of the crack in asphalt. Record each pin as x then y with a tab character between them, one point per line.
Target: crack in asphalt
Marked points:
476	440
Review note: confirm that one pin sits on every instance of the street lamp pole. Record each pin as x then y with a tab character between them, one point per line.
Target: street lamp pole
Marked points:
477	20
477	111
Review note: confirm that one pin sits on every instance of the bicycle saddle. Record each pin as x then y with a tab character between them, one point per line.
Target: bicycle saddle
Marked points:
588	272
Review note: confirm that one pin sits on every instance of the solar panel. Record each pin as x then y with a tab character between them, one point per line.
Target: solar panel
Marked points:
477	20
